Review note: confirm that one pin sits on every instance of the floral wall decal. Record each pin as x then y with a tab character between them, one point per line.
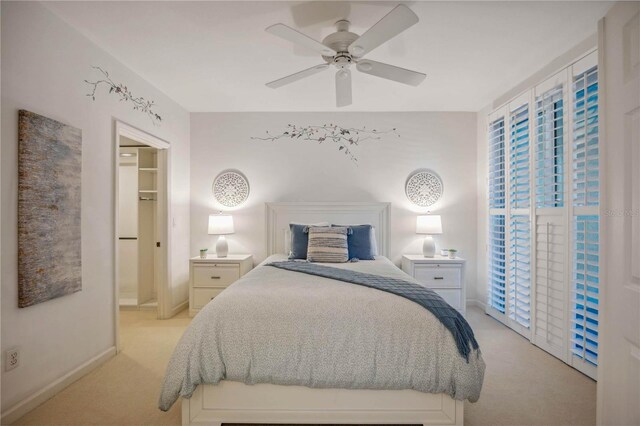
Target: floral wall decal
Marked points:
139	103
345	138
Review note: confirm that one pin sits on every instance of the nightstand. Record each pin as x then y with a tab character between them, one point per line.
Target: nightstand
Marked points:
208	277
443	275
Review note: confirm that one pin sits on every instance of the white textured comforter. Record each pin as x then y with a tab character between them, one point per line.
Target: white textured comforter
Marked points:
287	328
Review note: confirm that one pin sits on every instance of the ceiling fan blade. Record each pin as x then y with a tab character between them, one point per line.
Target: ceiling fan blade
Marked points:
390	72
297	76
395	22
343	88
294	36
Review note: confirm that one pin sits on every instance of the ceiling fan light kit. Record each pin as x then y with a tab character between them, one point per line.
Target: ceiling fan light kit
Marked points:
343	48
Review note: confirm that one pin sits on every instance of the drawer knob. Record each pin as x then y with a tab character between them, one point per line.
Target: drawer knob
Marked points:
438	278
215	278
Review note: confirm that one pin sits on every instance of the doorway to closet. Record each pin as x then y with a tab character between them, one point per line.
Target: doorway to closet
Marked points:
138	233
141	222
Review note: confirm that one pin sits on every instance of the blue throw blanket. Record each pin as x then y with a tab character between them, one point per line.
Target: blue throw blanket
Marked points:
428	299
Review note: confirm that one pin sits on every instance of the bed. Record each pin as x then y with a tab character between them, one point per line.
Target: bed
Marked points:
283	347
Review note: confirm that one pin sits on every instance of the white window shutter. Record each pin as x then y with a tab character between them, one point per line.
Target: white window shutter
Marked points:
497	265
585	157
497	256
518	217
544	215
497	161
520	271
550	329
585	186
549	148
585	294
551	284
519	173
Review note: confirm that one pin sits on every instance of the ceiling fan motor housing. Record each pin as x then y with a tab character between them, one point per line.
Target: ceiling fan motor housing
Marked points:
340	42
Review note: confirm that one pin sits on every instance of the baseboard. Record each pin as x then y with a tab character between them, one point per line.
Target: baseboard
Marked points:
477	304
128	307
23	407
179	308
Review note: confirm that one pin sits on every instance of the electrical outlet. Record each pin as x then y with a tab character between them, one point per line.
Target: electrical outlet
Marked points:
11	359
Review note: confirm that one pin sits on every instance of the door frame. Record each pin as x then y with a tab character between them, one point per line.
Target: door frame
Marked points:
164	208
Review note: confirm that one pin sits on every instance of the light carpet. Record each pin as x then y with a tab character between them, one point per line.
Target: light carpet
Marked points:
523	384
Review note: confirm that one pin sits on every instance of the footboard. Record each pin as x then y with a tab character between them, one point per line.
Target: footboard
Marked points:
234	402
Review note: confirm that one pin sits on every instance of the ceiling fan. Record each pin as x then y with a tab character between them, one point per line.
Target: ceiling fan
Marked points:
343	48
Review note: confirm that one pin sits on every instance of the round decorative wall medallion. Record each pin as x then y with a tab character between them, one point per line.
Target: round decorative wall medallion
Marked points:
231	188
424	188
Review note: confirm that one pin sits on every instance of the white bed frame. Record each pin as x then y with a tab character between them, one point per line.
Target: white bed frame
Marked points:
234	402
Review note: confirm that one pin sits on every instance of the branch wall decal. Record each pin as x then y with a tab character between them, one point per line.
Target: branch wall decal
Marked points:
344	137
139	103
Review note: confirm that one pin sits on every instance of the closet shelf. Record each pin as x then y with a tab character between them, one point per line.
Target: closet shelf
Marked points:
148	169
148	191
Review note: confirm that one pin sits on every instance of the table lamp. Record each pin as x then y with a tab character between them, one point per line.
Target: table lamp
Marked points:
221	224
429	224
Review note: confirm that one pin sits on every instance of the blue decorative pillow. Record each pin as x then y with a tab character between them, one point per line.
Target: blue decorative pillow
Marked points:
359	241
300	239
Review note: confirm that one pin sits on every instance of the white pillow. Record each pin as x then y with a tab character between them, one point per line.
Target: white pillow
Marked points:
287	241
374	243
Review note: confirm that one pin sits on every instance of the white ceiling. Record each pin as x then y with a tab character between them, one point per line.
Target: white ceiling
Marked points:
216	56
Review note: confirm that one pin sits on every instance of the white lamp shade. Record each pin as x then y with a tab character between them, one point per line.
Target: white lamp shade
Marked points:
220	224
429	224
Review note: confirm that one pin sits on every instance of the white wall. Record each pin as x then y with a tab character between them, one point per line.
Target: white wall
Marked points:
44	63
287	170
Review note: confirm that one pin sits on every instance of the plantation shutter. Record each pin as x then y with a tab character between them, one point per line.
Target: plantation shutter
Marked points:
518	217
520	271
551	234
496	249
549	174
550	285
544	215
519	179
585	167
585	185
497	190
585	294
497	264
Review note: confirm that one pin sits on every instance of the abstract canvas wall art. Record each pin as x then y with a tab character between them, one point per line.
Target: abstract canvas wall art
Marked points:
49	182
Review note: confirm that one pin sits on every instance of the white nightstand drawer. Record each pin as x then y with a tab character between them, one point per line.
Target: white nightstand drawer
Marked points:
452	297
210	275
443	275
202	296
438	276
215	275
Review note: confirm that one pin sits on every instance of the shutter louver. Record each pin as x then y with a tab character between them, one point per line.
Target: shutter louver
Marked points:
549	149
520	271
585	173
585	185
550	287
519	180
585	292
497	267
497	191
497	263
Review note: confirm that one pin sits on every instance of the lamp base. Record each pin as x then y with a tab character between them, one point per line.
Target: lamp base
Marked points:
428	247
222	248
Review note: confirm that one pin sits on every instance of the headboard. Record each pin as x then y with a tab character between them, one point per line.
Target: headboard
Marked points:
280	215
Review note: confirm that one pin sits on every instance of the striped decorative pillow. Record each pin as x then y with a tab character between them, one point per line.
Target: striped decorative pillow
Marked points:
328	244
